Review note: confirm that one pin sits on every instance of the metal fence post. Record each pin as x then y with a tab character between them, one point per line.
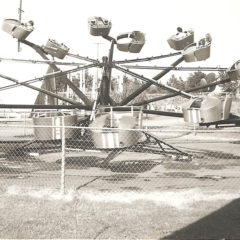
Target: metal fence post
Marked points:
25	123
63	159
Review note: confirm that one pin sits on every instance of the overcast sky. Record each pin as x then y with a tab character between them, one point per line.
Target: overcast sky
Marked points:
66	21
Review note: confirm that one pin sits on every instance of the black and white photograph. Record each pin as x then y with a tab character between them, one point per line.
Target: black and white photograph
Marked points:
120	119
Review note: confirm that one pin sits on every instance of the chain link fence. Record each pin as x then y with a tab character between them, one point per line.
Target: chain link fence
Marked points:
107	159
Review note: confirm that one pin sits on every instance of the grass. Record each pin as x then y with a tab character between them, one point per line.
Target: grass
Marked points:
25	217
47	214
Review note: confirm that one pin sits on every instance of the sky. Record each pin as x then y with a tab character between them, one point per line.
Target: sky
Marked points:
66	21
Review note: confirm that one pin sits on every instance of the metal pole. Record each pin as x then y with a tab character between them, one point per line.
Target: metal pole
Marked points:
20	19
104	97
187	91
65	80
95	80
25	124
151	81
42	106
147	85
39	89
63	158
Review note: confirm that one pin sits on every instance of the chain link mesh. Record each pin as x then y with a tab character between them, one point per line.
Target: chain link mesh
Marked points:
106	159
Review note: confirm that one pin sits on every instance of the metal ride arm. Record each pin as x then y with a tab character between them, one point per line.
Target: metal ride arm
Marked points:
40	90
41	62
50	75
187	91
211	69
129	108
147	58
147	85
106	78
41	52
82	58
163	146
148	80
109	38
45	107
92	115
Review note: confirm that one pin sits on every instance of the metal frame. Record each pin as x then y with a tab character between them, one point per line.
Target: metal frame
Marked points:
104	90
107	64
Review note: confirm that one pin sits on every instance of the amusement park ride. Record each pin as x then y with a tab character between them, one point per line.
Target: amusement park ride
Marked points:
108	118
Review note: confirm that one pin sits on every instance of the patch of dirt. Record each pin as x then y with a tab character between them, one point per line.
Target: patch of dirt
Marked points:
131	188
104	190
132	166
146	180
81	162
215	167
182	165
214	154
26	166
179	174
119	177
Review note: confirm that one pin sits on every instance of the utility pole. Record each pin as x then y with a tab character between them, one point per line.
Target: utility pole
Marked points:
95	80
20	19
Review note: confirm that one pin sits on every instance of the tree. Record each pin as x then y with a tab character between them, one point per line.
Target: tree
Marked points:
211	77
231	86
176	83
129	86
88	80
194	80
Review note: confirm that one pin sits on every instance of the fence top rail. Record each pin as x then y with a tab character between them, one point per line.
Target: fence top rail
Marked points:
128	129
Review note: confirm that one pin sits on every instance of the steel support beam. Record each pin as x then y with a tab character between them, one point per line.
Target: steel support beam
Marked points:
40	90
146	59
129	109
45	107
147	85
176	94
41	52
82	58
148	80
49	75
41	61
104	98
203	69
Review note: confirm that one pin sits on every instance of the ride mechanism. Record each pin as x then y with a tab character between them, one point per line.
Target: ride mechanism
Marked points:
112	123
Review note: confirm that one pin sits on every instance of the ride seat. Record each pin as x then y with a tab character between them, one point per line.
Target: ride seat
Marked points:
234	71
134	42
194	53
181	40
16	28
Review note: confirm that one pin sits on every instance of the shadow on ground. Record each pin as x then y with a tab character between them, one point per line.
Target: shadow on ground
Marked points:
120	167
221	224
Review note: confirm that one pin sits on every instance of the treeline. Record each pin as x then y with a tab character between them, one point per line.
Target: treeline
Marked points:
195	79
129	84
